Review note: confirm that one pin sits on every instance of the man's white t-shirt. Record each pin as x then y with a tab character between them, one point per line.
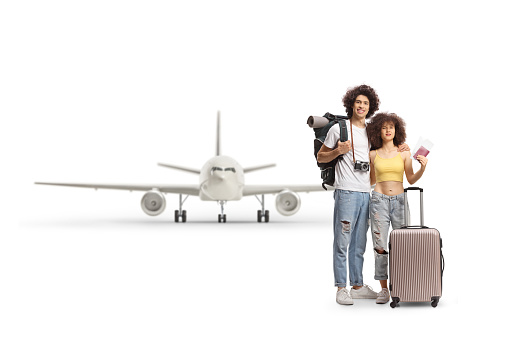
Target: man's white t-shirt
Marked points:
346	177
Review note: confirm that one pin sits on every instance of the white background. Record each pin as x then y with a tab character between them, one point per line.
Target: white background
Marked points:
100	91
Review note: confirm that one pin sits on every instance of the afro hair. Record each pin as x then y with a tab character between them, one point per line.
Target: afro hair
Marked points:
354	92
374	128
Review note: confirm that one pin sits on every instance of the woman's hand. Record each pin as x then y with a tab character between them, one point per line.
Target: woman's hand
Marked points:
422	160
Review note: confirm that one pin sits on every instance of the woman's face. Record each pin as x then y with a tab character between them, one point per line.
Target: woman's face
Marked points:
388	131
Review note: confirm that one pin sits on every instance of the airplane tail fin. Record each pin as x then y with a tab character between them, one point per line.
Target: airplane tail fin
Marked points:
218	134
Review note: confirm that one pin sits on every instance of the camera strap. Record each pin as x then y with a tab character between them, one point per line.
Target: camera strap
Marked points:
351	136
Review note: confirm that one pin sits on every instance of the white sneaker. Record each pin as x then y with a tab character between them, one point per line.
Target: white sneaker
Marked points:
365	292
383	297
343	297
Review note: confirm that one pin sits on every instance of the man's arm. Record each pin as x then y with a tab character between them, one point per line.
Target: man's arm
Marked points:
326	154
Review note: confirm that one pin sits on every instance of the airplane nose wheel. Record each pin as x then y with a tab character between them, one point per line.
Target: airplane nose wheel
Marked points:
263	214
221	217
181	214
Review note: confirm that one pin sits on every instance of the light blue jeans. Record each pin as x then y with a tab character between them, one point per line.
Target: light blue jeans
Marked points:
351	215
384	210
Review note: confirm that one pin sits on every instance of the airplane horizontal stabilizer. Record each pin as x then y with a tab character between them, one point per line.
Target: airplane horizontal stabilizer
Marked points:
186	169
256	168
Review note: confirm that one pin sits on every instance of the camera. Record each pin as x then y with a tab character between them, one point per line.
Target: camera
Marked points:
361	166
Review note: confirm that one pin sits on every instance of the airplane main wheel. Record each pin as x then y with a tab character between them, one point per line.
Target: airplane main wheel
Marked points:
259	216
176	216
266	216
221	218
184	216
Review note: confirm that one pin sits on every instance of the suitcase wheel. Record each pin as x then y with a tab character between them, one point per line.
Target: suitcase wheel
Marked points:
394	302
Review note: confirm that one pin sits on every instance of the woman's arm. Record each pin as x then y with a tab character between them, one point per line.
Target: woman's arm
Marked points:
409	171
372	175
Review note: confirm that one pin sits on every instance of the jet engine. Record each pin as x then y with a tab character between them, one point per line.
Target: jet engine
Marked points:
287	202
153	203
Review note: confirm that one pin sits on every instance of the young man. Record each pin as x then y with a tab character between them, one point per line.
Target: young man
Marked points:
352	193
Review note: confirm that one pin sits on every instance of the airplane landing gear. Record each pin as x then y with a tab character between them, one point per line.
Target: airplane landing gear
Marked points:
262	214
181	214
221	217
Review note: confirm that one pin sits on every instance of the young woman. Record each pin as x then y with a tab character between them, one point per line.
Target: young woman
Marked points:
386	132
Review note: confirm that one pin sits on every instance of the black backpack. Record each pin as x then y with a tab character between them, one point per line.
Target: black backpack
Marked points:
321	130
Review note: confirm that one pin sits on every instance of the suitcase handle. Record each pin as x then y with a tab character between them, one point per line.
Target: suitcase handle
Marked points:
413	189
415	227
406	204
442	259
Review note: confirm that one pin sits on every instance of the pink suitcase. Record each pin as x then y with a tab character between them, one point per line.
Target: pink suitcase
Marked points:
416	263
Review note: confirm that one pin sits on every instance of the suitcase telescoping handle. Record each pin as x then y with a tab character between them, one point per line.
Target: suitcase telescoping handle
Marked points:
442	260
406	207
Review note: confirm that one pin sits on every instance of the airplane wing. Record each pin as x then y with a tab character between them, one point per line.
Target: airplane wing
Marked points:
272	189
179	189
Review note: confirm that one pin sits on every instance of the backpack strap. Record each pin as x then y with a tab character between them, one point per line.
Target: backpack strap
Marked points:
330	116
343	130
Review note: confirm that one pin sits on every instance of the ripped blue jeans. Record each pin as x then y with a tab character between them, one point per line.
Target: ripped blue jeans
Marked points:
351	215
384	210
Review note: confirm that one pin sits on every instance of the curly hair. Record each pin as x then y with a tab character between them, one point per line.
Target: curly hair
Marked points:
354	92
375	126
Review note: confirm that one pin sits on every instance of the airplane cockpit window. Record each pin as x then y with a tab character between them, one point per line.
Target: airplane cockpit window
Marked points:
230	169
216	169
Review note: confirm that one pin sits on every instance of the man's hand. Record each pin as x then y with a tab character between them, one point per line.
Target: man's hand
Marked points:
344	147
403	148
326	154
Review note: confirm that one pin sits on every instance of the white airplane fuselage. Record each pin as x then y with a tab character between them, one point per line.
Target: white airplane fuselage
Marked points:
221	179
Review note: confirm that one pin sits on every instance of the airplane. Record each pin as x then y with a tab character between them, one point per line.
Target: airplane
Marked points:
221	179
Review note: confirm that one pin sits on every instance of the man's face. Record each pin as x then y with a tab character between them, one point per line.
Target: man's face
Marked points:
361	106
